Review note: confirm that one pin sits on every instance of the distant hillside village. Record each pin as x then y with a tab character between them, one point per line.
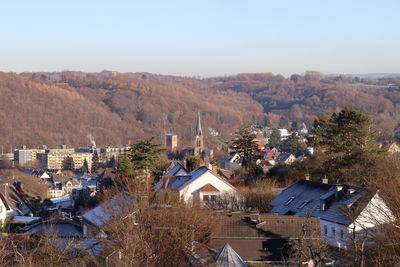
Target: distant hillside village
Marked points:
155	205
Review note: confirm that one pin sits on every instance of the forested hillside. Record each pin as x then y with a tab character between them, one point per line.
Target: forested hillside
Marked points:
63	108
301	98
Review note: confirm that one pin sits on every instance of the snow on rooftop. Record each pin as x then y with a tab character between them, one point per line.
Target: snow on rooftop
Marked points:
24	219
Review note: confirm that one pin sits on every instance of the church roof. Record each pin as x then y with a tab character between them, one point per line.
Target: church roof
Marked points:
198	130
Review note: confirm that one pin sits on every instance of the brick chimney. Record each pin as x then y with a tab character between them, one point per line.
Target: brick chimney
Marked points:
215	169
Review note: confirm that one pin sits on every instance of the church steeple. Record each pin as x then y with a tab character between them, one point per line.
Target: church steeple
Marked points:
198	130
198	137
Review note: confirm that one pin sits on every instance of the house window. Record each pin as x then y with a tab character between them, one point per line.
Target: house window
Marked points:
341	234
290	200
333	232
213	198
305	202
325	230
206	198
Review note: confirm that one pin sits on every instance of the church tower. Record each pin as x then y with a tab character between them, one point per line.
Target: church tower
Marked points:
198	138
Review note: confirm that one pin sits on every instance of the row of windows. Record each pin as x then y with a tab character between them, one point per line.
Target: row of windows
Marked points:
208	198
333	232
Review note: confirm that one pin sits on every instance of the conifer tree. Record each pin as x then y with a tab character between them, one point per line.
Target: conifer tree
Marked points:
243	143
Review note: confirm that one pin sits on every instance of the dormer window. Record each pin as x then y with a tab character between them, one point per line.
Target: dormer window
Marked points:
305	202
290	200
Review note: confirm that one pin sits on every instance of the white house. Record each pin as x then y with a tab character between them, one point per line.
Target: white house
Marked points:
285	158
200	184
6	209
232	162
284	133
341	208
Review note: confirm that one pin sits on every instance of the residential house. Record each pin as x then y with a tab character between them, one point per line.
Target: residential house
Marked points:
55	191
232	162
394	148
71	184
13	202
302	129
341	208
285	158
262	237
200	184
101	215
284	134
176	169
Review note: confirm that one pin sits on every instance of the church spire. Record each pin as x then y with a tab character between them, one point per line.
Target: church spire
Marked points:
198	130
198	137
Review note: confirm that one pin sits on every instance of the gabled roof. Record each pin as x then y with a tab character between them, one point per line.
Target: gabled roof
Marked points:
208	188
283	157
179	182
177	169
227	257
328	202
103	213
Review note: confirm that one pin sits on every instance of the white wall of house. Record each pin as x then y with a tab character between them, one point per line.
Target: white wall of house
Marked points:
191	191
334	234
375	213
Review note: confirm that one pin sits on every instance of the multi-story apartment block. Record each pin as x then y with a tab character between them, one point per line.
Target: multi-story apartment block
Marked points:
26	157
54	159
108	152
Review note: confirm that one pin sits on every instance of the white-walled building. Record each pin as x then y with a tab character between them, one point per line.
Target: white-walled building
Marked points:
341	208
199	185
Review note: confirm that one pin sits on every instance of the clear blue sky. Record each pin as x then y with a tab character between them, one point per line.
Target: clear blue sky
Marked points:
201	38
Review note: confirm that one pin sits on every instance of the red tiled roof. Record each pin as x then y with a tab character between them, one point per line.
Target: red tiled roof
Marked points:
272	155
209	188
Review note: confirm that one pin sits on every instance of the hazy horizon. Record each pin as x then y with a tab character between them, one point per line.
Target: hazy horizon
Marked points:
204	39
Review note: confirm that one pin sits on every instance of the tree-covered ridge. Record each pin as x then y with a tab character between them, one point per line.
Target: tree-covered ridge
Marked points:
62	108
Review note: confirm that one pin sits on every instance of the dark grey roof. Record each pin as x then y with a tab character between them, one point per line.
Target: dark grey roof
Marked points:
342	202
178	169
59	229
283	157
198	130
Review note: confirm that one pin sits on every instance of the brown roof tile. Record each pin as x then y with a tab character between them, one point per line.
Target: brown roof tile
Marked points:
208	188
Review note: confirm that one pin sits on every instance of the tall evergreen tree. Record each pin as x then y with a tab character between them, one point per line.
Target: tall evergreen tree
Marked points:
68	164
125	166
350	145
145	155
275	138
294	146
193	162
243	143
85	166
95	161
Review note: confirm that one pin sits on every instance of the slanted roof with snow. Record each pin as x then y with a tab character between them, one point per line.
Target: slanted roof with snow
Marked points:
327	202
178	169
103	213
227	257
